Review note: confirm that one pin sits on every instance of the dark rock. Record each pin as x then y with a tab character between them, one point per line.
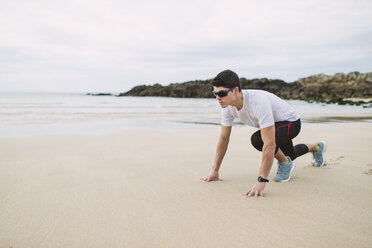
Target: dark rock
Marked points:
319	87
192	89
99	94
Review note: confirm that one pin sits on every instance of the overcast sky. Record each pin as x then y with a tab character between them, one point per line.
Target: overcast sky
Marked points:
111	46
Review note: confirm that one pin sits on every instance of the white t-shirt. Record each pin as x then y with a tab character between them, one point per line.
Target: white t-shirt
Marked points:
260	109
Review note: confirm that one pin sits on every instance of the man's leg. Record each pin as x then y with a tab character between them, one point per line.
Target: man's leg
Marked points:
284	133
258	144
312	147
286	152
285	163
280	156
285	167
318	150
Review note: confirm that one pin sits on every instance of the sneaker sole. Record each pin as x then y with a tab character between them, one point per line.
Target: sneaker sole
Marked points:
290	173
324	150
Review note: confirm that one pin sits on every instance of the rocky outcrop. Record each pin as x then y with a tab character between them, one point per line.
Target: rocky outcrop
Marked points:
99	94
192	89
317	87
321	86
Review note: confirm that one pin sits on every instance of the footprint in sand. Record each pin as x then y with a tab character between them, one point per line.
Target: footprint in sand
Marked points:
334	161
331	161
368	172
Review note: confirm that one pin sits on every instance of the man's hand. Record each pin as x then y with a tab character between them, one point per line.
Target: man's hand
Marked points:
257	189
212	176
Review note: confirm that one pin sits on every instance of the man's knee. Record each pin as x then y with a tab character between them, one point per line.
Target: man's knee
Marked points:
256	141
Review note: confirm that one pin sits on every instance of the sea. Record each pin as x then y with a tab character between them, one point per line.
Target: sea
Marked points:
24	114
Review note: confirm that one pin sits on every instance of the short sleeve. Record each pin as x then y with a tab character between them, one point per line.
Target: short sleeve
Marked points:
227	117
263	112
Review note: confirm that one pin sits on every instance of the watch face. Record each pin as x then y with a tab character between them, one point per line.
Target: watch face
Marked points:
261	179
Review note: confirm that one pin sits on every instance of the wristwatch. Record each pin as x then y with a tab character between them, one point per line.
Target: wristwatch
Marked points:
261	179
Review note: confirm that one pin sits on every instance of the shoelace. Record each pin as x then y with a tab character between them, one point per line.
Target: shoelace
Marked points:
317	156
281	169
318	160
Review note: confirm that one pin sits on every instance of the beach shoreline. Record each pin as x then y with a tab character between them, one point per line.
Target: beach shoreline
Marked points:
25	114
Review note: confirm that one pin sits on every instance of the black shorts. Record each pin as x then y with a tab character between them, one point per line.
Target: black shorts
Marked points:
285	131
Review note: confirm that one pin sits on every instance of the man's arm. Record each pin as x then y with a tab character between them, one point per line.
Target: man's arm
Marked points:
268	150
222	145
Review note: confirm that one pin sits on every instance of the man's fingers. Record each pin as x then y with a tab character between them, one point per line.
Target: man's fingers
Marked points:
208	179
254	192
250	193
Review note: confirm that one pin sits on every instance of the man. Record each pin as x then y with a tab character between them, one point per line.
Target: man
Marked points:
278	124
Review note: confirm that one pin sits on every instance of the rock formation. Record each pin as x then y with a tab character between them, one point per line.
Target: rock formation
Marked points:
319	87
99	94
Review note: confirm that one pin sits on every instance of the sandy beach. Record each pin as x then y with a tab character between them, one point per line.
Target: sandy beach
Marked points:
144	189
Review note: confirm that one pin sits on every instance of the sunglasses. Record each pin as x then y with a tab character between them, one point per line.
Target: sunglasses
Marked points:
223	93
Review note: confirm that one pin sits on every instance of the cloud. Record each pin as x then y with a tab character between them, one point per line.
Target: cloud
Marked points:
114	45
